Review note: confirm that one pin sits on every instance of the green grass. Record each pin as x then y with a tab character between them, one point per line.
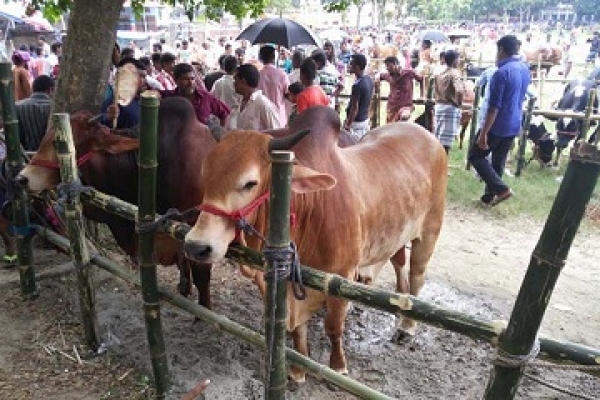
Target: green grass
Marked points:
534	190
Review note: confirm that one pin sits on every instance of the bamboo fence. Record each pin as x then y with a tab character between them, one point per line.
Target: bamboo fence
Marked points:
14	158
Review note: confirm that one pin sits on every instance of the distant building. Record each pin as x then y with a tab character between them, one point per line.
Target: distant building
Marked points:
561	13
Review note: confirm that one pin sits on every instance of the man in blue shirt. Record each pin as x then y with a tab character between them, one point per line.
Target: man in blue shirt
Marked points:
502	123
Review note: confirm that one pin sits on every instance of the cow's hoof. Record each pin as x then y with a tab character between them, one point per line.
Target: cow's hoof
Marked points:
296	376
402	337
184	289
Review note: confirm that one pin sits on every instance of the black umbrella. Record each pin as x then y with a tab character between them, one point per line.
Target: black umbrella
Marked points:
433	35
281	31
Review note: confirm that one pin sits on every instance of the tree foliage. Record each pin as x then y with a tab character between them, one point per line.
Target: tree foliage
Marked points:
213	9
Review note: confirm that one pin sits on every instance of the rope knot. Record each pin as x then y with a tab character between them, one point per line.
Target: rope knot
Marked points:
286	265
505	359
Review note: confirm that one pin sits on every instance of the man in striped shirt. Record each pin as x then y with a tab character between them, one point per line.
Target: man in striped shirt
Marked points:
33	113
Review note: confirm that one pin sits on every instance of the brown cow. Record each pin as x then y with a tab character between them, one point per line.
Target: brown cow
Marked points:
356	208
547	56
108	164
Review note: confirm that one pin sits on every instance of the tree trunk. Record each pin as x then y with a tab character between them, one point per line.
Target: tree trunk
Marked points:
86	60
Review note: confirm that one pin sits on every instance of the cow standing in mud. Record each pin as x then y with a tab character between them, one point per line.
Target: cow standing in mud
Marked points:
356	209
108	163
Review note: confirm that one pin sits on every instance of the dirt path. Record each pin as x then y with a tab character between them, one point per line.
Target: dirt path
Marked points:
477	268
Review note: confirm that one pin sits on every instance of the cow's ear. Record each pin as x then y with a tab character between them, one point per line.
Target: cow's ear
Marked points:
115	144
305	180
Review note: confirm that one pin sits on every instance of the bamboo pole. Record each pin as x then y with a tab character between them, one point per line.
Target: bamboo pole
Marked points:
278	240
585	127
222	323
565	114
523	137
146	216
490	331
474	123
375	106
20	212
65	150
547	261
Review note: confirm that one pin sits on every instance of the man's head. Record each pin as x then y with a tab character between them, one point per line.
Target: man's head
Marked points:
319	57
295	89
240	53
140	68
167	62
508	46
228	49
185	78
157	48
184	45
41	40
230	64
297	58
266	54
43	84
246	79
56	48
451	58
426	44
308	72
392	64
358	63
155	58
329	50
127	52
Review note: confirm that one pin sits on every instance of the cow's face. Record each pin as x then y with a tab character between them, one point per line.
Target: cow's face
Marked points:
42	172
235	173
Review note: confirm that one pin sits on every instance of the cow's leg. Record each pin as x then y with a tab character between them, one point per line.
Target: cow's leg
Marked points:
461	136
300	339
398	260
10	247
184	287
201	275
334	328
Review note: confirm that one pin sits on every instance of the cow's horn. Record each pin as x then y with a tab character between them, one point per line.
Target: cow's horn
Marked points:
95	119
286	142
215	129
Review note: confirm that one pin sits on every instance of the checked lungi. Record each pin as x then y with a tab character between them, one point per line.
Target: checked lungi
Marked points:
447	123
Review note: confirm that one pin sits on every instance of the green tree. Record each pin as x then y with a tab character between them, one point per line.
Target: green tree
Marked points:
91	36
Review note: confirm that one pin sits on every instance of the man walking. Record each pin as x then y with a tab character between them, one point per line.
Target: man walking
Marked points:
357	113
502	122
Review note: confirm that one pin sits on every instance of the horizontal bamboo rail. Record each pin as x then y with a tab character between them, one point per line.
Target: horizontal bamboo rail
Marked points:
223	323
394	303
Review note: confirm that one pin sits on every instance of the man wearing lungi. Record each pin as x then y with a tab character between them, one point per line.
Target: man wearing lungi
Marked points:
448	90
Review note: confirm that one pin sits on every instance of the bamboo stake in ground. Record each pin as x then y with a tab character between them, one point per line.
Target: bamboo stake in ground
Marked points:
523	137
474	123
20	212
65	150
146	215
277	273
545	266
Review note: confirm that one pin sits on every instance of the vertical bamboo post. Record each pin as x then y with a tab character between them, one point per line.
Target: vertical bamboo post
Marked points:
523	137
20	212
375	106
65	150
275	304
146	214
474	122
547	261
585	126
542	83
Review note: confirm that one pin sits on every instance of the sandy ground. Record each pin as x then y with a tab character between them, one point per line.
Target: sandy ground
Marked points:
477	268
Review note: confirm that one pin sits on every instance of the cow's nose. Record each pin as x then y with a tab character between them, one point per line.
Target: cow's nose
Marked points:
21	180
197	251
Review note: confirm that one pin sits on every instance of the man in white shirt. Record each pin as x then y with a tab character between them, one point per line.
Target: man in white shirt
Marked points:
255	111
53	59
223	88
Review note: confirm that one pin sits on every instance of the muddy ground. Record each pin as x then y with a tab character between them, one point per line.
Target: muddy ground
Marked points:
477	268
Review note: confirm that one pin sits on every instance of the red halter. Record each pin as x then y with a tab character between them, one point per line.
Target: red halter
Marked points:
238	216
55	165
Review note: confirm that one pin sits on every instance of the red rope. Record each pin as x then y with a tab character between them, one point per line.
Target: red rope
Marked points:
239	215
55	165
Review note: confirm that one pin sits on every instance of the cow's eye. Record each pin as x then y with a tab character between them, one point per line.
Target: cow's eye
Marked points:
250	185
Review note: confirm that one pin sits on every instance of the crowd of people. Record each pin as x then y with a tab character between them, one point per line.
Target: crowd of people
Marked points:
267	87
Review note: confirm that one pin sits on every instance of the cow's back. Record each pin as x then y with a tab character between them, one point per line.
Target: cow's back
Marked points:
184	144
